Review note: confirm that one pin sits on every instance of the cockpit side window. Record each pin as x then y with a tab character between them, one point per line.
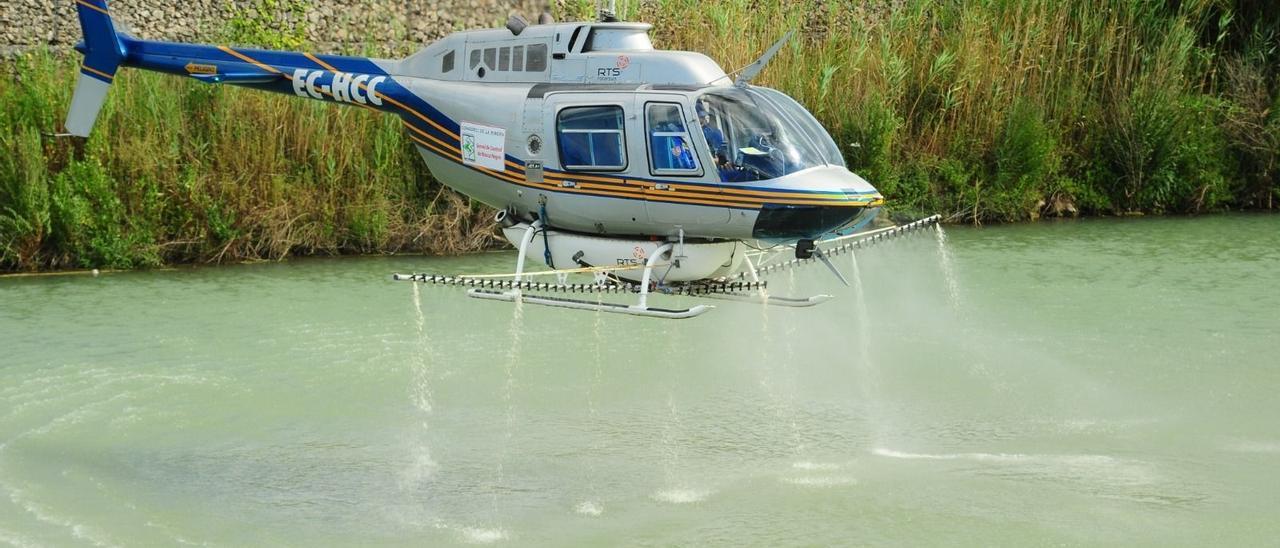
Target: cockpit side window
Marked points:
670	148
591	138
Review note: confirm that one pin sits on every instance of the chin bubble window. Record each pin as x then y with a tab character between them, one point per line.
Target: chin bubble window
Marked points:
591	138
670	148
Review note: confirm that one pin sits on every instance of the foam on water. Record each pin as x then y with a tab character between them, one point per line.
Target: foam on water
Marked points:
477	535
1268	447
815	466
421	468
995	457
1115	472
14	539
821	481
43	513
681	495
589	508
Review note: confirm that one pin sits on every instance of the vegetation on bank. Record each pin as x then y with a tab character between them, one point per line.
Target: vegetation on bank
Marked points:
984	111
181	172
1005	111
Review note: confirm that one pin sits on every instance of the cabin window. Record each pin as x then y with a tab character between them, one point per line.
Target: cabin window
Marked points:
537	58
475	58
446	64
573	38
504	59
592	138
491	58
517	58
670	148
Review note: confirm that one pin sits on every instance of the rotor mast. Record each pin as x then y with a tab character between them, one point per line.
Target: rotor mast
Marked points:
607	11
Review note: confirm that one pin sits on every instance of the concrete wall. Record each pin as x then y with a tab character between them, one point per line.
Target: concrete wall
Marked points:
331	25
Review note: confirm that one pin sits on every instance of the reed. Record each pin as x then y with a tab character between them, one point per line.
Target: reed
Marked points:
1003	111
179	173
984	111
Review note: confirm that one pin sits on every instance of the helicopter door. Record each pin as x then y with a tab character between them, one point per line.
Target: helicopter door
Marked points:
587	153
682	191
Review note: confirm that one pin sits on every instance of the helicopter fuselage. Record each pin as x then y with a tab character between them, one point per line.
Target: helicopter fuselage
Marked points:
583	126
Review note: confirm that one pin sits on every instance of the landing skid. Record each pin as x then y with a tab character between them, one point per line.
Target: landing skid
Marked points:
788	302
513	290
615	308
746	286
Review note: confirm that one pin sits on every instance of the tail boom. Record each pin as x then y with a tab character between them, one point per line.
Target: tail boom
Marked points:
354	81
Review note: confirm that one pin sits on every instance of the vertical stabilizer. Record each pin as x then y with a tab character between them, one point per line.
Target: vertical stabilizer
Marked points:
104	51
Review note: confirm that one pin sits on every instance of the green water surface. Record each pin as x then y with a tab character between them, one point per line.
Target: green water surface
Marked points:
1092	382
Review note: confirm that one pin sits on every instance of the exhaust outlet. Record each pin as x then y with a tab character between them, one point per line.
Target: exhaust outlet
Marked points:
505	219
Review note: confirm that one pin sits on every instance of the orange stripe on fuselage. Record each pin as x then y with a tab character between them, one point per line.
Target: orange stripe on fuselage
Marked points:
384	97
255	62
590	189
286	75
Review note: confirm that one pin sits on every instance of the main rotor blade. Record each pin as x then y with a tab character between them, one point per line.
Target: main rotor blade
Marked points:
754	69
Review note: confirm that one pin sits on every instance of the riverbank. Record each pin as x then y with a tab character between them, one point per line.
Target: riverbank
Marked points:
997	113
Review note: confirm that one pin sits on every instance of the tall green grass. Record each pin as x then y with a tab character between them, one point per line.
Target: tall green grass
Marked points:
997	111
984	111
179	172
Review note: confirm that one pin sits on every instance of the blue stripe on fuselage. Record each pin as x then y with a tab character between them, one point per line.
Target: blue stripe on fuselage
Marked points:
174	58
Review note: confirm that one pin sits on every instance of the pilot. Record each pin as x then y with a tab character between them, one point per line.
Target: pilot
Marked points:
715	138
729	173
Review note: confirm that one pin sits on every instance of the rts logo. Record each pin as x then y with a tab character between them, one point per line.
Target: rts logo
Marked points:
344	87
614	72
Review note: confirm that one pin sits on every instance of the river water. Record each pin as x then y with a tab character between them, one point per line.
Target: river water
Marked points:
1091	382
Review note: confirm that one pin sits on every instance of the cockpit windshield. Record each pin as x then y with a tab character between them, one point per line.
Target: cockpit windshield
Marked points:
759	133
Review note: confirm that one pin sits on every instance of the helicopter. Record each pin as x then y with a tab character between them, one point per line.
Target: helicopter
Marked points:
652	170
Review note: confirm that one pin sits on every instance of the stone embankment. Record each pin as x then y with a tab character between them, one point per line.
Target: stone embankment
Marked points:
331	25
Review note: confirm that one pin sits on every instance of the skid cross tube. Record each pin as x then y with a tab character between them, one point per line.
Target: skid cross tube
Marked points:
524	248
648	273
